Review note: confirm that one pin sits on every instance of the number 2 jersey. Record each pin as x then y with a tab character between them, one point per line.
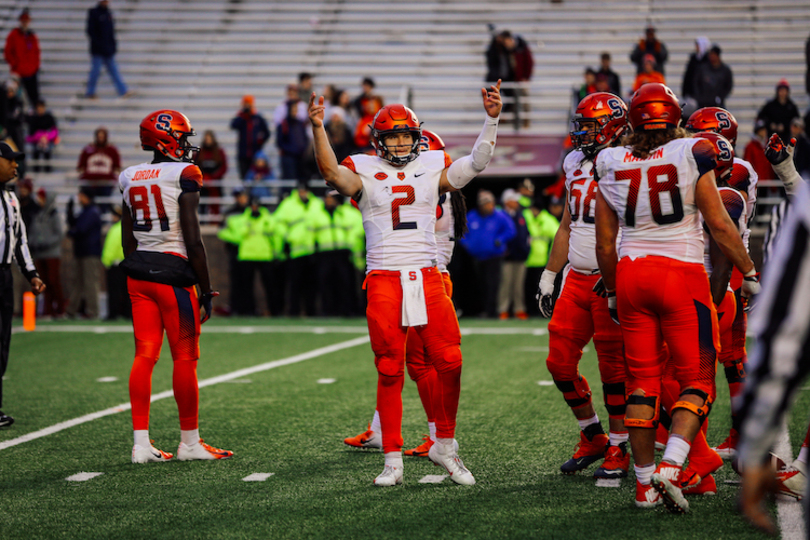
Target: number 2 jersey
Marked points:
152	194
399	209
654	198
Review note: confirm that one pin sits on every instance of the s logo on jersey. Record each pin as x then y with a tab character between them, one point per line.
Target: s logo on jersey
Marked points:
164	122
380	176
401	175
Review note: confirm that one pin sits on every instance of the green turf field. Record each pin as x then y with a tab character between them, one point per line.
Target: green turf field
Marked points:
513	435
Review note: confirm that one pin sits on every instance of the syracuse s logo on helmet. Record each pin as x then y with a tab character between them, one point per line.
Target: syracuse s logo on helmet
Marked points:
164	122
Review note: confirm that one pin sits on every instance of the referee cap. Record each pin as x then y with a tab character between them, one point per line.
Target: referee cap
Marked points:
7	152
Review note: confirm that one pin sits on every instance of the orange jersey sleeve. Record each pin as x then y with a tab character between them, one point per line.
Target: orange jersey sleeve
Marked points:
349	163
191	178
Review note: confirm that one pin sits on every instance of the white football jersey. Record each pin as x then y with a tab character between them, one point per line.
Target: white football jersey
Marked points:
735	205
151	193
399	209
654	198
581	187
445	242
744	178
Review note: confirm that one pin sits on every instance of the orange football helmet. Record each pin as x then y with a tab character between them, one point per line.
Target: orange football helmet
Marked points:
724	154
714	119
395	119
606	114
431	141
653	107
167	132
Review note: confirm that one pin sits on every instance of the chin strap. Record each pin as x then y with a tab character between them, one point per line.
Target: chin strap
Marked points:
463	170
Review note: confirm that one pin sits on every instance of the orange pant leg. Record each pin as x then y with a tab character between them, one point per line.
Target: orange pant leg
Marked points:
148	330
180	310
570	328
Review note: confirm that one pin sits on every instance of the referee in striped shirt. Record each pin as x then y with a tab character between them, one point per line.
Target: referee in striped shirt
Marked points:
13	245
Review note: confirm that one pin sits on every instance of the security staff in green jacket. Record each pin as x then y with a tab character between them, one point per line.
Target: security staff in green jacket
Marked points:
298	244
542	228
253	232
112	254
332	227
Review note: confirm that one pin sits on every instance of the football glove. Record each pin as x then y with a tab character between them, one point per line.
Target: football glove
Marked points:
613	306
600	289
777	152
205	305
750	288
545	293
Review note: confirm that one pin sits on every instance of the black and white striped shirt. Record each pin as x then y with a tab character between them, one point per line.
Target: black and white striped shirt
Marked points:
781	323
13	237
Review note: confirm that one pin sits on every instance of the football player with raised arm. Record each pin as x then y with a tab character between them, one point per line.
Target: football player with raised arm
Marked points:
165	261
655	189
579	313
397	192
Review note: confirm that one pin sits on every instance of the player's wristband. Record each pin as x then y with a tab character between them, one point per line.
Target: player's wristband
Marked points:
751	273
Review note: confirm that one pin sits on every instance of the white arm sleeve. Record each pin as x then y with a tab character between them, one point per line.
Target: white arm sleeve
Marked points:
463	170
787	173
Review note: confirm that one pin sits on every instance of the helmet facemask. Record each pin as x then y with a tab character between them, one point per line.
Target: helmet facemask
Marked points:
386	154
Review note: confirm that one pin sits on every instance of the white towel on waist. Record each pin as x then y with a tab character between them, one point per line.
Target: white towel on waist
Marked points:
414	308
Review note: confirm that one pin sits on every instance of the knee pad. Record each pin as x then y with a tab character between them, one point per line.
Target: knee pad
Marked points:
701	411
448	359
735	371
390	366
649	401
148	349
576	393
563	364
615	401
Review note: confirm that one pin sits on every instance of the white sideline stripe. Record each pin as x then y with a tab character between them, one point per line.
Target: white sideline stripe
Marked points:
609	482
433	479
545	383
168	393
789	511
107	379
240	381
83	476
320	330
257	477
326	381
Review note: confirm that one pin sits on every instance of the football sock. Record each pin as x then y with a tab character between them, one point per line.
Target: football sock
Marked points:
140	391
186	393
446	442
802	455
394	459
142	438
375	422
588	421
445	406
190	437
677	450
432	429
618	437
389	405
644	473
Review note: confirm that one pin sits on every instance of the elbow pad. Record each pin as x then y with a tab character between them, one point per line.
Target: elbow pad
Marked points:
463	170
790	177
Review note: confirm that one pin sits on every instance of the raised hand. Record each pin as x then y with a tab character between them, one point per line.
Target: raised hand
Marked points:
316	111
777	151
492	100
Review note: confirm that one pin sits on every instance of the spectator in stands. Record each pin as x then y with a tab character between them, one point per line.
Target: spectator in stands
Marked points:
85	230
510	60
283	109
713	80
331	223
779	112
101	31
556	205
362	132
12	116
304	83
614	83
112	254
258	173
340	135
99	164
490	229
43	135
801	154
649	45
367	95
292	142
253	133
45	241
343	100
588	83
542	228
213	163
754	152
238	301
602	84
526	192
649	74
513	272
696	59
22	56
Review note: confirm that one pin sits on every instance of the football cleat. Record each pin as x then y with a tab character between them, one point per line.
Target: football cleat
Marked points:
201	451
586	452
367	439
666	481
728	448
150	454
5	420
447	457
792	480
422	449
693	484
617	461
646	496
391	476
661	437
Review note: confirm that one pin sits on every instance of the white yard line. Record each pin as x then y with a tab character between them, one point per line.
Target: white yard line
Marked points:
56	428
789	511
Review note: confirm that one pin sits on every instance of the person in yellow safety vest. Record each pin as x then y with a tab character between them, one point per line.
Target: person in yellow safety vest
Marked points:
112	253
542	228
332	227
526	192
253	232
298	241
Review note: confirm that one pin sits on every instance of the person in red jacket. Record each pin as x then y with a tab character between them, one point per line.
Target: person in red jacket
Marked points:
22	55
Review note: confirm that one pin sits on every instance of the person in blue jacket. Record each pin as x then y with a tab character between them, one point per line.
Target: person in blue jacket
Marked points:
490	230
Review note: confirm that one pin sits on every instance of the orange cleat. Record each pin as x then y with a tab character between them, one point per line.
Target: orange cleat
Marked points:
693	484
586	452
367	439
503	316
646	496
666	481
728	448
201	451
421	450
521	315
617	461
